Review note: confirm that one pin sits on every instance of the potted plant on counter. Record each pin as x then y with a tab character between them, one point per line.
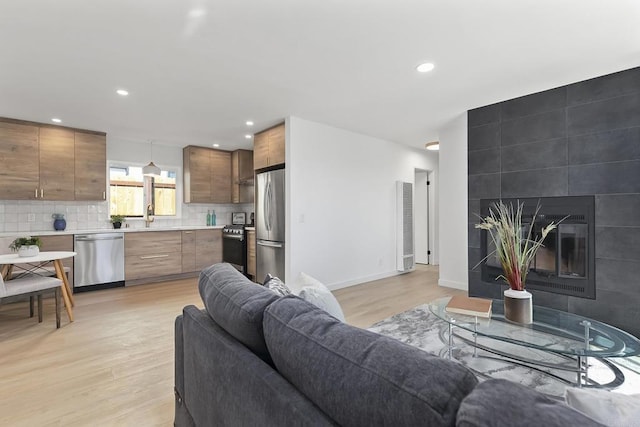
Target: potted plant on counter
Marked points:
117	220
26	246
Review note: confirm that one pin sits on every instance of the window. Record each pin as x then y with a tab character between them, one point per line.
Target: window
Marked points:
131	192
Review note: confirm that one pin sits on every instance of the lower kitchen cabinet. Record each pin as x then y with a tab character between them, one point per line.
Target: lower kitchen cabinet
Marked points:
251	253
208	248
151	254
188	251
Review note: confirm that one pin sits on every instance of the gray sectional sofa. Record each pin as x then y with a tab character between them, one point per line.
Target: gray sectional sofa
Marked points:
253	358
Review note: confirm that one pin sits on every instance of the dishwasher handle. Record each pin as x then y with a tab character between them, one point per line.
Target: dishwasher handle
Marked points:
94	239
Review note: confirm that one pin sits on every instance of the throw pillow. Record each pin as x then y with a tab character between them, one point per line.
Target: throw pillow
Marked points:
324	299
277	286
303	280
612	409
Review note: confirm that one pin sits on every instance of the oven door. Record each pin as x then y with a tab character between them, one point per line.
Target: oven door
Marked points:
234	251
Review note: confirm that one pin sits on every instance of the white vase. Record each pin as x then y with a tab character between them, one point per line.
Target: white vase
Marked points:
518	306
27	251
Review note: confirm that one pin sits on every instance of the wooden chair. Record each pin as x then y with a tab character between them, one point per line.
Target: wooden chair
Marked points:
32	285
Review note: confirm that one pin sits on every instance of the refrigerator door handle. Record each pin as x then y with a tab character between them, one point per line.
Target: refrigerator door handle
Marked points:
269	244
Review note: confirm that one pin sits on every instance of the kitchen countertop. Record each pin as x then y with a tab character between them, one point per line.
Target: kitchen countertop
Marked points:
250	228
107	230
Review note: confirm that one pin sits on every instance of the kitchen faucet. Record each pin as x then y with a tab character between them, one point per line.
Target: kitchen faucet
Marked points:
149	218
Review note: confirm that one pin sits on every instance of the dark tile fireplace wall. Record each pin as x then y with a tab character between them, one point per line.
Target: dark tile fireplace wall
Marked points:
580	139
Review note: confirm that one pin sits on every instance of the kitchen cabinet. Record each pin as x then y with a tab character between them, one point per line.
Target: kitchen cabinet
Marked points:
19	161
90	166
251	253
46	162
57	170
269	147
208	248
207	175
242	189
220	176
149	254
188	251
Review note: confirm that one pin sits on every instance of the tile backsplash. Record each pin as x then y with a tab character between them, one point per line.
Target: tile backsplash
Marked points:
35	215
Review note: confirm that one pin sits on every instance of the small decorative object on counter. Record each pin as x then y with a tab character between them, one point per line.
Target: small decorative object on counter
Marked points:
208	217
59	223
117	220
213	218
26	246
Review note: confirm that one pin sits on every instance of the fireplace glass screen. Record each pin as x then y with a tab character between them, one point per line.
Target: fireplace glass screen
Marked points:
573	250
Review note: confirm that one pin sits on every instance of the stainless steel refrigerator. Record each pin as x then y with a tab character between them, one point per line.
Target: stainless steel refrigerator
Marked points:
270	224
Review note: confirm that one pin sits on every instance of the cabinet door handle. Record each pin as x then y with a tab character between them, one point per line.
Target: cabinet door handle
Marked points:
42	193
104	195
154	256
36	193
188	232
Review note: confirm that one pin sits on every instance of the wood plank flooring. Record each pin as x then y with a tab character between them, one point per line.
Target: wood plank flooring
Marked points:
114	365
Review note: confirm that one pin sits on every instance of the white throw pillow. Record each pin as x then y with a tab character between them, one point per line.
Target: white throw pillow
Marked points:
324	299
304	280
611	409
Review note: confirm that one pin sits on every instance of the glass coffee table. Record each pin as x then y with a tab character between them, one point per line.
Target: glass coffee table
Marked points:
570	338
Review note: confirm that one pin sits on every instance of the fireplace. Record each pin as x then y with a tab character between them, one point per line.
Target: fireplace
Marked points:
566	263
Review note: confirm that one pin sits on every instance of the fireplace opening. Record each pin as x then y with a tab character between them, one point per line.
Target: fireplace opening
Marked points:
566	263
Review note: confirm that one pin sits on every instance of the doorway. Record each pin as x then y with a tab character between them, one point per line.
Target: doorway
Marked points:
424	205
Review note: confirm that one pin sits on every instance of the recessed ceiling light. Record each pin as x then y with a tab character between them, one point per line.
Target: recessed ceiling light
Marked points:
122	92
425	68
247	136
432	146
196	13
56	120
249	123
216	145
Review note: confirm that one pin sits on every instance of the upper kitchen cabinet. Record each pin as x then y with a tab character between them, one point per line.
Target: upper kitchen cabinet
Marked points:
90	166
268	147
57	160
220	176
207	175
20	171
46	162
242	189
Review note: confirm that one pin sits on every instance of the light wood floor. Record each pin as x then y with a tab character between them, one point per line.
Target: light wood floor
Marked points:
114	365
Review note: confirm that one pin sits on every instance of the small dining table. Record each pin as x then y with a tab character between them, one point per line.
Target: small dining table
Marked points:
14	266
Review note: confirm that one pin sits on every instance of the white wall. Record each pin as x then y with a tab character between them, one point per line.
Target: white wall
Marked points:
341	202
453	204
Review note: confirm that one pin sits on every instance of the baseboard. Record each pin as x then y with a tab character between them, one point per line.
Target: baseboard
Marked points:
452	284
360	280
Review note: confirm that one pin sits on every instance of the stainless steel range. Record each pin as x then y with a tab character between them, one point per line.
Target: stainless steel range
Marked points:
234	246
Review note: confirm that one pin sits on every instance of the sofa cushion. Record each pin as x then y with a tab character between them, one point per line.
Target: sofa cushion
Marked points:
236	304
502	403
360	378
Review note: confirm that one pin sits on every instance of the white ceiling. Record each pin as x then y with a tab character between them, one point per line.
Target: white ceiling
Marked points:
347	63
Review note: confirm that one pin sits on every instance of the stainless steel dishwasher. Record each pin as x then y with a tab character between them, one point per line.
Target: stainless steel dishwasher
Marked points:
99	262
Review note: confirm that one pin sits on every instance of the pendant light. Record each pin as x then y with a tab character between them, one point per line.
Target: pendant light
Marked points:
151	169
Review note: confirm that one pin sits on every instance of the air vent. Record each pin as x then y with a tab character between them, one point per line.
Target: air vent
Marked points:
405	260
